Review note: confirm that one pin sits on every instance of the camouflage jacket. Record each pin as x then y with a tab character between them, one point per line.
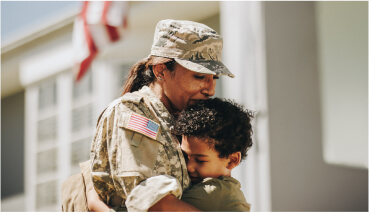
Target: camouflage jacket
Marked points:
122	158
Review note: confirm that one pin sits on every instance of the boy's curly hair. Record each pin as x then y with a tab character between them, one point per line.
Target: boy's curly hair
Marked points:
225	122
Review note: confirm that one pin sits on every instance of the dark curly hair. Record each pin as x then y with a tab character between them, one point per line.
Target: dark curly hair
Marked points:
225	122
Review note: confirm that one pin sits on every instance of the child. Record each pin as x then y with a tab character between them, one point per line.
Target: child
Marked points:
216	135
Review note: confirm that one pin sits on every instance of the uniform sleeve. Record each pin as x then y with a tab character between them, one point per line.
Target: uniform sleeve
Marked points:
73	194
123	160
150	191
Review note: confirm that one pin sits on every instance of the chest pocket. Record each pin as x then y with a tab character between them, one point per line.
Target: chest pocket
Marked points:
139	146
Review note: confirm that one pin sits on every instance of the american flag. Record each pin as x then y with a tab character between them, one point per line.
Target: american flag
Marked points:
100	24
143	125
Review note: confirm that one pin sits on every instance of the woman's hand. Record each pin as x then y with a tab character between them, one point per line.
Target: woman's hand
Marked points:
94	202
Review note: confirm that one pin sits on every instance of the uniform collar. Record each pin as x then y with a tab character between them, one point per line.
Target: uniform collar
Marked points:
159	108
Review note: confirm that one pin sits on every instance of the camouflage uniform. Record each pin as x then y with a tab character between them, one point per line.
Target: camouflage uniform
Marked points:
122	159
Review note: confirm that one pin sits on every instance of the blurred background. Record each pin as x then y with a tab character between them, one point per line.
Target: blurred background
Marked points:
303	66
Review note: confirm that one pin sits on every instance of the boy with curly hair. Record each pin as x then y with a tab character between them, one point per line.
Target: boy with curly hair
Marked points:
216	135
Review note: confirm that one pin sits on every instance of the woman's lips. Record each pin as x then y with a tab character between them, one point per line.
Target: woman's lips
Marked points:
195	101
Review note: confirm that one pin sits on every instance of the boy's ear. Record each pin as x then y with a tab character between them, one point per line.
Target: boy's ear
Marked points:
234	160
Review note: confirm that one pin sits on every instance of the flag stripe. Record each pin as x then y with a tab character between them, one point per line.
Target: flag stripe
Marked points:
145	132
141	124
113	33
99	25
142	129
85	64
111	30
90	43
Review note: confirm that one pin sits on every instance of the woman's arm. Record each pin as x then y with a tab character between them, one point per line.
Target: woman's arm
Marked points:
95	203
168	203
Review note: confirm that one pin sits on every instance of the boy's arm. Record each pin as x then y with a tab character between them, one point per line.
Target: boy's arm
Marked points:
171	203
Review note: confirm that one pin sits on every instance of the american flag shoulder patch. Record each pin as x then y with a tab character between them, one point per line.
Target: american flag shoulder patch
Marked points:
143	125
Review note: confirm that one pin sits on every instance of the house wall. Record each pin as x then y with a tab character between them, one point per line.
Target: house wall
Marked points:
300	179
12	145
342	29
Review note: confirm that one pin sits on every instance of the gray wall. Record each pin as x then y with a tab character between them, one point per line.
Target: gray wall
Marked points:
12	145
300	179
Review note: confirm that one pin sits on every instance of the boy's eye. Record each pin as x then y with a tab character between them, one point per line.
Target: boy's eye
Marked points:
216	77
200	161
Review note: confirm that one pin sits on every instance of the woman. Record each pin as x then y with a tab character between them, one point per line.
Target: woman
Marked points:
132	141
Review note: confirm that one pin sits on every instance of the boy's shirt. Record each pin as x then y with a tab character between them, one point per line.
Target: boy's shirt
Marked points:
217	194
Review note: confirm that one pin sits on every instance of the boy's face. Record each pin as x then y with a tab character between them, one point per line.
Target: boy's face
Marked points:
202	161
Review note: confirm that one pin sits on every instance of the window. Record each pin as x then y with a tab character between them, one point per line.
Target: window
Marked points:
80	151
47	145
47	130
62	121
60	126
82	118
46	196
47	94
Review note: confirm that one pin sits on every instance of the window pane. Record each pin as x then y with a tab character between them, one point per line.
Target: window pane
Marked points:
46	194
82	118
46	130
47	94
84	86
47	161
80	151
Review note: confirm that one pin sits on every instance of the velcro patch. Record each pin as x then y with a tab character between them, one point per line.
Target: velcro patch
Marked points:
143	125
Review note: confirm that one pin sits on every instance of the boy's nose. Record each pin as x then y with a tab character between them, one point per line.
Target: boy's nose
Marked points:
190	167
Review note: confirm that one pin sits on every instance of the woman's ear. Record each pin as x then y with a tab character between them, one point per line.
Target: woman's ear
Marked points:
234	160
159	71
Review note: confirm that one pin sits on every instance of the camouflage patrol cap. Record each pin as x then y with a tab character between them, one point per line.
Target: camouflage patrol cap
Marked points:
195	46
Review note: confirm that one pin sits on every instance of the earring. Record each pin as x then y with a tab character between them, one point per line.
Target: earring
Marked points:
160	79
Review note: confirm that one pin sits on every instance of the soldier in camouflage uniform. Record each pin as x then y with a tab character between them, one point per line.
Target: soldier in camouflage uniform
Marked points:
181	69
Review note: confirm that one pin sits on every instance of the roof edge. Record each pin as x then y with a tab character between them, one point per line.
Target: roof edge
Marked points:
41	30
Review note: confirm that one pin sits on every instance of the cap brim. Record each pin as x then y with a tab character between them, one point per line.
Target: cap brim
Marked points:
205	67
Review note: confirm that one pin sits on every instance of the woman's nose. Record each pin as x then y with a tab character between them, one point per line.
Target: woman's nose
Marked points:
209	88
